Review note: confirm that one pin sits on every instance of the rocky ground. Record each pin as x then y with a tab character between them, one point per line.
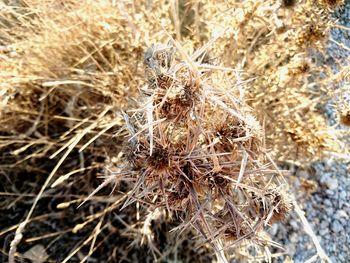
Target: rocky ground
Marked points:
328	208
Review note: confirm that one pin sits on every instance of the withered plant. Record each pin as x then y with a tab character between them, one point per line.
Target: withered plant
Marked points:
66	68
195	146
196	154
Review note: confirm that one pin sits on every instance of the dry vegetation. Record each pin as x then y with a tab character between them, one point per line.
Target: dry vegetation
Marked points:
184	133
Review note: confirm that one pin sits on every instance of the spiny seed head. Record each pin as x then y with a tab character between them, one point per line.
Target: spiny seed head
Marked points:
345	118
289	3
159	159
283	206
311	34
179	101
304	67
179	198
274	205
217	180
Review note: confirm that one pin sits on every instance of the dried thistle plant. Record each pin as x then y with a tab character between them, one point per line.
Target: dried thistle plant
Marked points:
195	146
68	66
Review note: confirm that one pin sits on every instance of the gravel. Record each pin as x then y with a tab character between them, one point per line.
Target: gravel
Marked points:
327	210
342	36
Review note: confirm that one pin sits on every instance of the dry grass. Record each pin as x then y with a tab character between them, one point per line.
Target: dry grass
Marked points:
69	69
279	47
65	78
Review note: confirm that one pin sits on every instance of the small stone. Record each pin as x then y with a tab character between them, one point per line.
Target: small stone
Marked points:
327	202
324	232
336	226
329	192
324	177
294	238
330	212
332	183
294	225
341	214
324	224
333	259
309	245
334	247
317	198
343	221
290	249
342	195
